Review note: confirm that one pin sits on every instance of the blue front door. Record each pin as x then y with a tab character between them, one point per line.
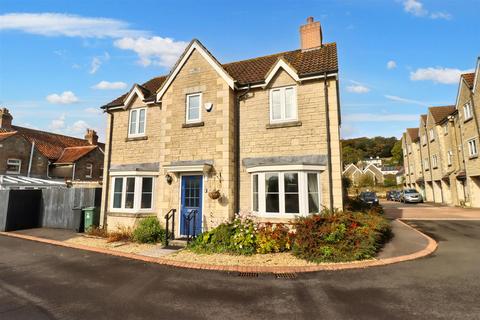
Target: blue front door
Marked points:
192	194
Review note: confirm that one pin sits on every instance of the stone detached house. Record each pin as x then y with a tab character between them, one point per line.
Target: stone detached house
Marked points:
441	156
38	154
258	136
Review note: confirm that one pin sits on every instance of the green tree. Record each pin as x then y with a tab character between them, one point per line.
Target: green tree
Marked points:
366	180
397	153
351	155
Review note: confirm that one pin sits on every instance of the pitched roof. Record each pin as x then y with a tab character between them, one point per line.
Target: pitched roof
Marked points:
51	145
311	62
440	113
413	133
469	79
423	117
5	135
72	154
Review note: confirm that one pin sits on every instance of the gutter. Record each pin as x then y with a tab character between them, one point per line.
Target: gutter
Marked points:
31	159
429	160
237	149
329	146
106	171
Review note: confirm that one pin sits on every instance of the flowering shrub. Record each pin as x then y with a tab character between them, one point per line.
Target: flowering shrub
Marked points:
340	236
274	239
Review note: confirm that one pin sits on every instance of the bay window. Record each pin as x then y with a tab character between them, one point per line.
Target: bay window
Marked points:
132	193
283	104
286	193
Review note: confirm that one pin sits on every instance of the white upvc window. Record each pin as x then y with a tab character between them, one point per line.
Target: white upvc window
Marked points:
89	168
424	139
193	109
467	111
409	148
472	147
425	164
137	122
434	161
286	193
283	104
132	194
432	134
449	157
14	166
445	129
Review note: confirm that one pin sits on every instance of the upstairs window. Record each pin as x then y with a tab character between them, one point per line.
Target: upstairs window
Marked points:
424	139
432	134
445	129
434	161
193	110
472	148
136	126
14	166
467	111
283	104
449	157
425	164
89	170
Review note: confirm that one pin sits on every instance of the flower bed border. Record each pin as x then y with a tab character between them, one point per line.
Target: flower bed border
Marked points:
429	249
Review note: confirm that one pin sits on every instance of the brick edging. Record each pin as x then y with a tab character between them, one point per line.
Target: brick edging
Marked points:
429	249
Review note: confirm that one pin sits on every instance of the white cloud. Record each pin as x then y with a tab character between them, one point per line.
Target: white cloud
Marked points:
154	50
391	64
106	85
58	124
67	97
97	62
438	75
78	127
416	8
93	110
374	117
358	88
405	100
57	24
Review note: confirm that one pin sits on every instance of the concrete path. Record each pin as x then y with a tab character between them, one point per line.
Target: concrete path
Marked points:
39	281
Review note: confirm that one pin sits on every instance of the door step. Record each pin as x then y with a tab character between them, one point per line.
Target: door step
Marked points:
177	243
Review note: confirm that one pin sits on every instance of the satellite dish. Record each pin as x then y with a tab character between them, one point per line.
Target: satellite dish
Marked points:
208	106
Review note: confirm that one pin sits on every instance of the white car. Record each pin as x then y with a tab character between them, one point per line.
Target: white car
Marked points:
411	196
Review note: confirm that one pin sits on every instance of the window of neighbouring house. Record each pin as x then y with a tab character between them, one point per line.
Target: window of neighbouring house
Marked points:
89	168
137	122
449	157
432	134
14	166
434	161
467	111
283	104
472	148
132	193
445	128
193	109
289	192
424	139
425	164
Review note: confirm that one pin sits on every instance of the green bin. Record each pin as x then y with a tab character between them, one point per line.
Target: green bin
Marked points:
92	217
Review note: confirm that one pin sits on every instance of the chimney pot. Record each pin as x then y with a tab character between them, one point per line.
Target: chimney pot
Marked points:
310	34
5	119
91	137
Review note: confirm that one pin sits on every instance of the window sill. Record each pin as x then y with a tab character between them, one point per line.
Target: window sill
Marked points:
473	157
284	124
139	138
467	120
193	124
279	215
131	214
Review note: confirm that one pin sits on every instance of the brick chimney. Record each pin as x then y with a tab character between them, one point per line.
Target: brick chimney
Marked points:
310	34
91	137
5	119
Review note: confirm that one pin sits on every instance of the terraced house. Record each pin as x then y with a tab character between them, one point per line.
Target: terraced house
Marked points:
258	136
445	167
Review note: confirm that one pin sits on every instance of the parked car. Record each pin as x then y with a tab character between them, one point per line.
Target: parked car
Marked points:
411	196
369	197
391	195
396	196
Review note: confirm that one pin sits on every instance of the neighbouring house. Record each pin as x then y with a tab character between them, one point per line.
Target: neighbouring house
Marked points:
33	153
377	173
258	136
442	157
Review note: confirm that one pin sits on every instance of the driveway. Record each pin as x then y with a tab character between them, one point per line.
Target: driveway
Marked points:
428	211
39	281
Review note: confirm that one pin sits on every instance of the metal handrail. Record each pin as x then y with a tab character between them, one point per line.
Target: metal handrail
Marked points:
192	215
169	216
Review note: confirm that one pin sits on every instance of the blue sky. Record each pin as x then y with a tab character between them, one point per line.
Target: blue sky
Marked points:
61	60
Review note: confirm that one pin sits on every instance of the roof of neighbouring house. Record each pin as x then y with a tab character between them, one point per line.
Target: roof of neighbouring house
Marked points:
413	133
72	154
423	117
5	135
305	62
440	113
469	79
51	145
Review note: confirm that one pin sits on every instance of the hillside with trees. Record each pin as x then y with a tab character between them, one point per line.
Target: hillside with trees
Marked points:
357	149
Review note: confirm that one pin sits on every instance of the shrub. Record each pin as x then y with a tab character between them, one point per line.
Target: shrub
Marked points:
121	234
97	232
274	239
340	236
149	230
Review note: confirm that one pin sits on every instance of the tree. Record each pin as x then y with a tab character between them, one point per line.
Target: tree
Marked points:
397	153
366	180
390	180
351	155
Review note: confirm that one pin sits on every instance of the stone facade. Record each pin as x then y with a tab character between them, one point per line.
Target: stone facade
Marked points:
209	147
17	147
